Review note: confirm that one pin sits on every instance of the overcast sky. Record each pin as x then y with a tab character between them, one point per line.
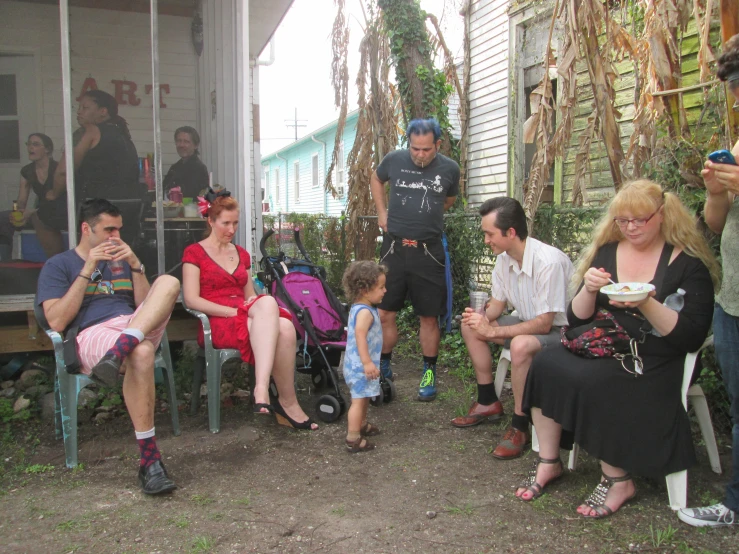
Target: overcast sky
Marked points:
300	77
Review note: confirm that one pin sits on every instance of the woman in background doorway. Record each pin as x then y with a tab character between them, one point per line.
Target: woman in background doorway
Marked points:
49	217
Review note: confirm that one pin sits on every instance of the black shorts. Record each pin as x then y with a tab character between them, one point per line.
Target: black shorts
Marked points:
414	271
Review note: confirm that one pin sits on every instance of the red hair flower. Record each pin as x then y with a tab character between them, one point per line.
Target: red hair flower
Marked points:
203	207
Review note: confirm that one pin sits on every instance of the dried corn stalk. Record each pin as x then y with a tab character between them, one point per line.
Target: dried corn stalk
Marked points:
377	134
538	129
340	81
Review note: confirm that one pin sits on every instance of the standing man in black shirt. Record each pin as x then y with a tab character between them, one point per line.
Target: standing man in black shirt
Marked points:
423	184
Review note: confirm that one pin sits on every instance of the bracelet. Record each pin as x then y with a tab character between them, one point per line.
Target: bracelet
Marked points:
88	277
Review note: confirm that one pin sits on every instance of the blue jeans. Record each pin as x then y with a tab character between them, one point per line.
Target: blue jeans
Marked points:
726	341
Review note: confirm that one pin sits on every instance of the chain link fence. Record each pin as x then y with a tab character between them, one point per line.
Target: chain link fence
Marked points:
326	241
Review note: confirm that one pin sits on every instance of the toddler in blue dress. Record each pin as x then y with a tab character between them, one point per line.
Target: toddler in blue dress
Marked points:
364	284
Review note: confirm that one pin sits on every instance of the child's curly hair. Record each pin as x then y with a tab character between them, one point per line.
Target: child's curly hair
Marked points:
728	62
360	277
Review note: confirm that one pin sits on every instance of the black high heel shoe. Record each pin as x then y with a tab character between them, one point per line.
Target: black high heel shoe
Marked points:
259	406
286	420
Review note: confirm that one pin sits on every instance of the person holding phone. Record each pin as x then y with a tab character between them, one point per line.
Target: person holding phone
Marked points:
721	212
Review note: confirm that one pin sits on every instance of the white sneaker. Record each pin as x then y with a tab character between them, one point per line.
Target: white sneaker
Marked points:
717	515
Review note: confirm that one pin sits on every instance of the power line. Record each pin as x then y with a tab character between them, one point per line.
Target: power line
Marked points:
295	123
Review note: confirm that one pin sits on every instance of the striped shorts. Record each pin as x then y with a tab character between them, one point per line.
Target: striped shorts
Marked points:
95	341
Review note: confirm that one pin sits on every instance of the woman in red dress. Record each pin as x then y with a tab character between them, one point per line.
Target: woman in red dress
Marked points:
215	281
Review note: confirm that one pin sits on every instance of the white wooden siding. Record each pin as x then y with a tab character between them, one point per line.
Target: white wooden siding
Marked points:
488	99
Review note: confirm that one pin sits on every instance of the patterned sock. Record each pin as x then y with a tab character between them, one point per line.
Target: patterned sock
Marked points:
127	341
148	447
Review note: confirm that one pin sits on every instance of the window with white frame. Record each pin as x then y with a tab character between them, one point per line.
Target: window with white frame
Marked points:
277	187
339	173
296	180
315	177
266	185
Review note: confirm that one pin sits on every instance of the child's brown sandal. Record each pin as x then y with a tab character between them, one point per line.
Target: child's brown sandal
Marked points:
359	445
369	430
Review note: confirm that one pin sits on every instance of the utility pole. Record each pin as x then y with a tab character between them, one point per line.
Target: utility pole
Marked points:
295	123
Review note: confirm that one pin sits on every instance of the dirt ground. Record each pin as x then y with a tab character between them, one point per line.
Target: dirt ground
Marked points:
259	487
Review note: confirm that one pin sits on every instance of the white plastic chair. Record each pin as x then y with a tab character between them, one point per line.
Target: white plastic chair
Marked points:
677	483
504	363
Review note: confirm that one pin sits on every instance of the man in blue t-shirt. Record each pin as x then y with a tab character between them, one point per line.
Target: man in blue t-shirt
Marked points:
423	184
100	287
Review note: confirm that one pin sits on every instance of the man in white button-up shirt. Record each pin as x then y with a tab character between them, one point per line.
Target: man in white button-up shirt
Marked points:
532	277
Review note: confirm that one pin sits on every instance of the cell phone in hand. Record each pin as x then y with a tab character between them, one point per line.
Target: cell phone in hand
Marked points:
722	157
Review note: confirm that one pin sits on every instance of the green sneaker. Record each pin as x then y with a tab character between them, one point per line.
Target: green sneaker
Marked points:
427	388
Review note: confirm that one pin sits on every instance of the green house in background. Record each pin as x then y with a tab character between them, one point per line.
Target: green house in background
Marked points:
293	177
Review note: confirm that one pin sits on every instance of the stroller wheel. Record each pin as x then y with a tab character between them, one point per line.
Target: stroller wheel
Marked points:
320	379
328	408
379	400
389	390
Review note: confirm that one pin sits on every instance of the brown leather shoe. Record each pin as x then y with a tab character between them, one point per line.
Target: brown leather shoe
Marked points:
512	444
479	413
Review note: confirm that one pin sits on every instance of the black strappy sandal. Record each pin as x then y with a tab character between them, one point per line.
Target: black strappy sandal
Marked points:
597	498
530	483
259	406
286	420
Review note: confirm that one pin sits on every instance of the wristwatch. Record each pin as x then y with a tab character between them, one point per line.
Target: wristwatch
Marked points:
139	270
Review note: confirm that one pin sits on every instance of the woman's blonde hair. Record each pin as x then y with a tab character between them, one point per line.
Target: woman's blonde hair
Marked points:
643	198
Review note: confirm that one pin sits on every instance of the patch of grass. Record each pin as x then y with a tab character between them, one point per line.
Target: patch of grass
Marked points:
38	468
660	537
245	502
35	511
467	510
339	511
709	498
201	499
181	522
450	394
459	446
202	544
77	483
73	524
217	516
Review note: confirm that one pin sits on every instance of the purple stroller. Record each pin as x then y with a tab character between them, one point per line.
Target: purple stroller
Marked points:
319	317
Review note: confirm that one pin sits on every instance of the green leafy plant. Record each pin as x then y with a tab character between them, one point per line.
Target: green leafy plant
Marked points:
660	537
38	468
202	544
201	499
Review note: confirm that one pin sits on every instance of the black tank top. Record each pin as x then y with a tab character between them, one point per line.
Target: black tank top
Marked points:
110	169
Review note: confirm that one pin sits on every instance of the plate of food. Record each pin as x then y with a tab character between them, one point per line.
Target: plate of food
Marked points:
627	292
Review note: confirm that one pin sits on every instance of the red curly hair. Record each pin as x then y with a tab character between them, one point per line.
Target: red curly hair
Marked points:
221	204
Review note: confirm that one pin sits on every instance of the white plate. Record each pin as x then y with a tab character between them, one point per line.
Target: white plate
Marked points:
638	291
